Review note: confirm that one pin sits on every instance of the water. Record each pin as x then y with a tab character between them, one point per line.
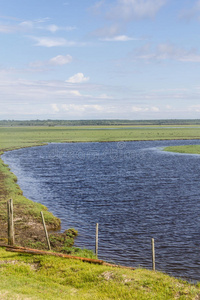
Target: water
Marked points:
134	190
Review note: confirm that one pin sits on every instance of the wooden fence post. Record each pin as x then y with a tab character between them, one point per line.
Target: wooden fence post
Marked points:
96	244
153	255
11	235
45	230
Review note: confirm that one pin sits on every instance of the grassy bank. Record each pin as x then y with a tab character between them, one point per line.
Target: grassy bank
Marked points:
27	207
29	230
45	277
190	149
27	218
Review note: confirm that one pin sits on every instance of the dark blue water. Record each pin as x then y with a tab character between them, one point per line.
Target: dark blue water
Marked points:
133	190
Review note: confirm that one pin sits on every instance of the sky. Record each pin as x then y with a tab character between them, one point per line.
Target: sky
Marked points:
107	59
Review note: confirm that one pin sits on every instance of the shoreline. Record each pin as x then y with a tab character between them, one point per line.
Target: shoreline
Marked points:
8	178
27	219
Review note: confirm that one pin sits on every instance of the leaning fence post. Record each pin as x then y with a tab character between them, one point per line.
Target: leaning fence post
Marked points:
96	244
11	235
45	230
153	255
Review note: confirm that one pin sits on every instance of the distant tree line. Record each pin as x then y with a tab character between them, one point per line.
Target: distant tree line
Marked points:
9	123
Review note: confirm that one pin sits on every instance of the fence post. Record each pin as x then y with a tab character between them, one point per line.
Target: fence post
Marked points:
11	235
96	244
153	255
45	230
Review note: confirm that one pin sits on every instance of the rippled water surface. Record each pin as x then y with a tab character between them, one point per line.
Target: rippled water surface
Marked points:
133	190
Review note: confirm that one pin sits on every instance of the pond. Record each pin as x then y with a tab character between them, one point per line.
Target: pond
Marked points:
134	190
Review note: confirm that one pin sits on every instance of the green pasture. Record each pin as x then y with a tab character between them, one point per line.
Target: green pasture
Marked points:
190	149
18	137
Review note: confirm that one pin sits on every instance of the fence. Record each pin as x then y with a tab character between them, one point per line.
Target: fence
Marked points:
11	233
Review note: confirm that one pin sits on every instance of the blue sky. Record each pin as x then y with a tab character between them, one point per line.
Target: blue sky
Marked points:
116	59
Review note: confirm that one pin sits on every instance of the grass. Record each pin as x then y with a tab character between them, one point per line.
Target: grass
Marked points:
46	277
18	137
190	149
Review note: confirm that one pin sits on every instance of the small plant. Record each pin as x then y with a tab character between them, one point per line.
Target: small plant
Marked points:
75	251
63	240
35	245
71	232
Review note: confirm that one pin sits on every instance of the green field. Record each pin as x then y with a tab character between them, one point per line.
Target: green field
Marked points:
17	137
190	149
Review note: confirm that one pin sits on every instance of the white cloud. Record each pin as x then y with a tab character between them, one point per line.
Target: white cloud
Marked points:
78	78
81	108
191	57
192	12
108	31
195	108
128	10
167	52
55	107
119	38
49	42
154	109
121	12
136	109
54	28
30	25
17	27
75	93
27	24
104	96
67	93
60	60
145	109
45	99
55	42
7	29
22	27
97	6
42	20
52	42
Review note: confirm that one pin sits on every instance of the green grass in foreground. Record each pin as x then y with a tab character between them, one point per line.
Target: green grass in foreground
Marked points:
191	149
46	277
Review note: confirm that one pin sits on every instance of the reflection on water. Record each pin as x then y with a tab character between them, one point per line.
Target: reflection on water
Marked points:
132	189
